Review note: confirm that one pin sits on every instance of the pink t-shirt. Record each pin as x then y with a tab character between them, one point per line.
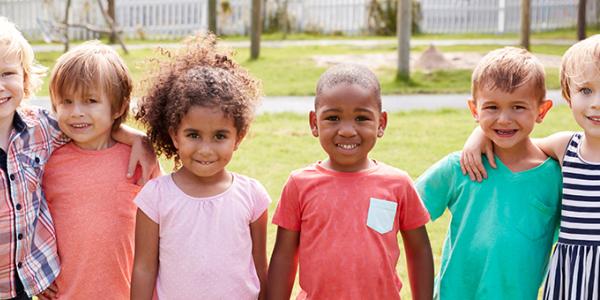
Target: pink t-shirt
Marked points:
205	249
349	225
91	203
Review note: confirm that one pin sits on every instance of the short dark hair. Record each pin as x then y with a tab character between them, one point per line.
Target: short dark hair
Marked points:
348	74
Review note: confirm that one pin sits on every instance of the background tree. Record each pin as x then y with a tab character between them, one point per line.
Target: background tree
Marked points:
255	29
525	23
112	39
581	20
212	16
403	29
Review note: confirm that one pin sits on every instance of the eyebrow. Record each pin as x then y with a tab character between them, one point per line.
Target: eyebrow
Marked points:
193	130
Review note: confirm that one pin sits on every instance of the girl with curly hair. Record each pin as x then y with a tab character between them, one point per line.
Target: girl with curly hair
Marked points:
204	224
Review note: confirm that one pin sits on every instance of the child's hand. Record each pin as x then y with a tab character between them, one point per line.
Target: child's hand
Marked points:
49	293
470	158
142	153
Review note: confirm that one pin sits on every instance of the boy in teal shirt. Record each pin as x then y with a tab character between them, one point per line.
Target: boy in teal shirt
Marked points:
502	229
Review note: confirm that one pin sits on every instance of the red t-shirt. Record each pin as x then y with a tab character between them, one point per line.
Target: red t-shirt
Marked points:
349	225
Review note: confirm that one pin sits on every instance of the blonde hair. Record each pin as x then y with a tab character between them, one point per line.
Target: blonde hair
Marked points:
582	53
507	69
93	65
12	42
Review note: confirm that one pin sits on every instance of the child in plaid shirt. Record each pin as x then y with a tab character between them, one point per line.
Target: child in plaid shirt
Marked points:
28	256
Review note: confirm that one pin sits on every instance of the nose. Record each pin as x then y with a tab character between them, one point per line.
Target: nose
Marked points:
504	118
204	149
596	102
77	110
347	129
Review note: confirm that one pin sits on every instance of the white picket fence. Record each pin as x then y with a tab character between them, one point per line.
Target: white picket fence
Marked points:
499	16
176	18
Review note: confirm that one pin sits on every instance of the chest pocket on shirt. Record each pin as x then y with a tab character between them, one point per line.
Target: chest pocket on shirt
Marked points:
382	214
535	220
32	162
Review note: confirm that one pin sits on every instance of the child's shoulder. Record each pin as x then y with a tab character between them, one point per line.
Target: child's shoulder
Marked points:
246	182
34	115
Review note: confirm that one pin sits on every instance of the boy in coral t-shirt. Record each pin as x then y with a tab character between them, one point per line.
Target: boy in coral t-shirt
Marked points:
340	218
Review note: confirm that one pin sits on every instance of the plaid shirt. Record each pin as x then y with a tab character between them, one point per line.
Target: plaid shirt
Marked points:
27	238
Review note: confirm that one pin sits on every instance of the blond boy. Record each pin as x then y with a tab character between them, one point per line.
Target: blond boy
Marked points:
501	231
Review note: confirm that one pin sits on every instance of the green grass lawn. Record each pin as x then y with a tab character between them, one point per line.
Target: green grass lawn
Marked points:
292	70
413	141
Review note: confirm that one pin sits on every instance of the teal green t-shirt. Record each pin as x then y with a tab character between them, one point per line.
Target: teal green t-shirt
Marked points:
501	232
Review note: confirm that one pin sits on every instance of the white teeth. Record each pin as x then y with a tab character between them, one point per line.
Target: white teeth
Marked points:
204	162
597	119
4	99
505	131
347	146
79	125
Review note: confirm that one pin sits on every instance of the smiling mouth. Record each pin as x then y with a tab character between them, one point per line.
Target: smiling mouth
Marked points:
4	100
80	125
347	146
204	163
505	132
594	119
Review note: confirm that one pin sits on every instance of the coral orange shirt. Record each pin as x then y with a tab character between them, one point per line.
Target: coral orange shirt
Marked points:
348	224
91	203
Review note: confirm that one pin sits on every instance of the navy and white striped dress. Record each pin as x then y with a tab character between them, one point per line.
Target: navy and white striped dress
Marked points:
574	271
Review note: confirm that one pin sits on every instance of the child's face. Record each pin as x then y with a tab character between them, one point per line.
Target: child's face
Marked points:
205	141
508	118
585	100
347	122
87	118
11	85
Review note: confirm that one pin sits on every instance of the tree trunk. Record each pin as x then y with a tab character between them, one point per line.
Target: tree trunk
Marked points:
581	20
255	29
525	23
66	23
112	39
212	16
403	29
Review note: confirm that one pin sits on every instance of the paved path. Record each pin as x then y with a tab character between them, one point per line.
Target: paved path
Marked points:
391	103
358	43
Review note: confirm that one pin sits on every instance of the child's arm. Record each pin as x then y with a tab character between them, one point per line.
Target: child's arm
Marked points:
419	260
284	263
258	230
470	157
145	263
141	152
477	143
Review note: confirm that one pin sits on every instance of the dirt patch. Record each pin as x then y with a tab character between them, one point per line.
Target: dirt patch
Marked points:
447	61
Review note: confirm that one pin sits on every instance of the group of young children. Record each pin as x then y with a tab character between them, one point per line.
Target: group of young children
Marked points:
78	222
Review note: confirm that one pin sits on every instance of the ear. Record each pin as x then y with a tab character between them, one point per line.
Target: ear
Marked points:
239	140
173	136
121	111
312	120
543	109
473	108
382	124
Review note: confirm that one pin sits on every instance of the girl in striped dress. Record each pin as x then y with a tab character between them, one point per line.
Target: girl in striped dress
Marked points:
574	269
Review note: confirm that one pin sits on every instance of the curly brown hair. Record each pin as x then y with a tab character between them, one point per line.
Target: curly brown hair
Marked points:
196	74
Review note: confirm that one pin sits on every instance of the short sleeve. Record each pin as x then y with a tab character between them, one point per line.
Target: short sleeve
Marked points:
287	214
147	200
55	136
413	213
261	200
436	186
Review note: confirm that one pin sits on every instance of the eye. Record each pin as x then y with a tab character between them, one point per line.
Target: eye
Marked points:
92	100
193	135
332	118
518	107
585	91
67	101
362	118
8	73
220	136
490	107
